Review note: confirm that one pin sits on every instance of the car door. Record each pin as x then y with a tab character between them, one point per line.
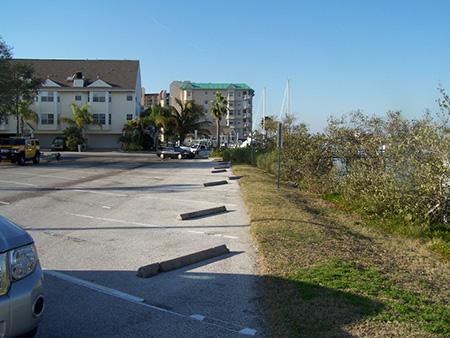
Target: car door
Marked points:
29	148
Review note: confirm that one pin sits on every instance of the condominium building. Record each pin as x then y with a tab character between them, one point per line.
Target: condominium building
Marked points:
112	88
237	123
160	99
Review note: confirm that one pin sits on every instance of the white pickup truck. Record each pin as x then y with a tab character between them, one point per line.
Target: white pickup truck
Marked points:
200	150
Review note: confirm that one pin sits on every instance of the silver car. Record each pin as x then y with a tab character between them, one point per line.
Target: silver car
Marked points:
21	282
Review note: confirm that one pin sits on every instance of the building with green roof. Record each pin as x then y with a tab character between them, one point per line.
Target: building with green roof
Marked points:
237	124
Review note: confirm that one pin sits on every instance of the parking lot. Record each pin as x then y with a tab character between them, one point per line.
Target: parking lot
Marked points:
96	217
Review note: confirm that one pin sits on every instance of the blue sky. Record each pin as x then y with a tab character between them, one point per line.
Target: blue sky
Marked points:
340	56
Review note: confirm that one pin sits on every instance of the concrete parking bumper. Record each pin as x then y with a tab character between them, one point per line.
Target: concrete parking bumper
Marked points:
176	263
200	213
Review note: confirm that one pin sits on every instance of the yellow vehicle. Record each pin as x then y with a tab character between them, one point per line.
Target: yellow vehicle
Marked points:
20	149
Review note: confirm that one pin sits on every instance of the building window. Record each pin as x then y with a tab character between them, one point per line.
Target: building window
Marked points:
3	120
238	94
77	96
99	97
129	96
109	119
129	117
206	93
47	97
47	119
100	118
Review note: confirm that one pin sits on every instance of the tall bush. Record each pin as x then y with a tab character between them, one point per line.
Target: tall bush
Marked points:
393	165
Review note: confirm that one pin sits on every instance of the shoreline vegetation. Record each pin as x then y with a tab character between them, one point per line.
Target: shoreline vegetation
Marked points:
328	272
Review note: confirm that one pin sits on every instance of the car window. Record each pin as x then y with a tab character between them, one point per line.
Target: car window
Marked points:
16	142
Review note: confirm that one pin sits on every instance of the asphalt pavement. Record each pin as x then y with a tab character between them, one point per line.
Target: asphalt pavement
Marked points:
97	217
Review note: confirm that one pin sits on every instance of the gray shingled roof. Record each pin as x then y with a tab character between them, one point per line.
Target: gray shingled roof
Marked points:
120	74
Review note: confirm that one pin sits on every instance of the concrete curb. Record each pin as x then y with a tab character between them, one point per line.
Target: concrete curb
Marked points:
218	171
148	270
222	167
209	184
176	263
200	213
180	262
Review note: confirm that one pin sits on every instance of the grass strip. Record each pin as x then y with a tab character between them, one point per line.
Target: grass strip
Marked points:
328	274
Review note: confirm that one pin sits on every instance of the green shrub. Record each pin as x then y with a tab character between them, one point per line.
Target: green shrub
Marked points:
132	147
234	155
73	142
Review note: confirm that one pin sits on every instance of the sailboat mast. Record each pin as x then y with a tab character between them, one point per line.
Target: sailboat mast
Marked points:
264	110
288	98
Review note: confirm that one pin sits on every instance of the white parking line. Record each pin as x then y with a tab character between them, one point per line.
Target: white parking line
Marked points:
101	193
94	286
215	235
117	221
20	183
180	200
141	301
150	225
50	176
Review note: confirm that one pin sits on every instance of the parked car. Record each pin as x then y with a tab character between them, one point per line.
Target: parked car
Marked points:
59	143
21	282
174	152
200	150
20	149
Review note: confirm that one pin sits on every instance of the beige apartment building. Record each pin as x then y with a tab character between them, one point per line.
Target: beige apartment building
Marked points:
160	99
237	124
112	88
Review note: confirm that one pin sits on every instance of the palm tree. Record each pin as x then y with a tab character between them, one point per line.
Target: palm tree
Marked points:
188	118
26	114
219	107
162	119
138	128
82	118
